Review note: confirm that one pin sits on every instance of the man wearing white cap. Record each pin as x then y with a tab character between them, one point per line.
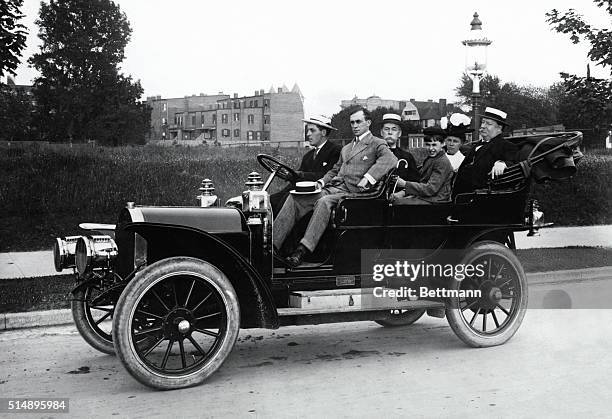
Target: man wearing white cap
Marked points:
317	161
391	131
489	158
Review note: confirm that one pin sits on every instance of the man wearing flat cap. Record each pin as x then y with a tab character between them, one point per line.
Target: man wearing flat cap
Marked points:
316	162
391	131
488	158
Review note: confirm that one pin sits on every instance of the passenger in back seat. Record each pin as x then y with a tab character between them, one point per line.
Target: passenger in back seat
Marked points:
436	174
488	158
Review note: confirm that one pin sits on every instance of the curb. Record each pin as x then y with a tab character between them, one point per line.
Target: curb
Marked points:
11	321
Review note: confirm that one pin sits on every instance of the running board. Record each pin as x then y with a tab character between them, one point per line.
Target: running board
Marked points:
301	316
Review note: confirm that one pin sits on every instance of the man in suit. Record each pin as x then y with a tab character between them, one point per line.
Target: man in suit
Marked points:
436	174
391	131
488	158
315	162
362	163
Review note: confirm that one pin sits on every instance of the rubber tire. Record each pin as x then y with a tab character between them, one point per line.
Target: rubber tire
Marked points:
403	319
457	321
132	294
93	338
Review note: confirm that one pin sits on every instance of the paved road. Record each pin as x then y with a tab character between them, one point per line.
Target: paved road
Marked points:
558	365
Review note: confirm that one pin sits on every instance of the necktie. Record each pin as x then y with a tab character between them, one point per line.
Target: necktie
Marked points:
355	141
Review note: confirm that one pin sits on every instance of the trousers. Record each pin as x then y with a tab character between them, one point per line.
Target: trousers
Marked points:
297	206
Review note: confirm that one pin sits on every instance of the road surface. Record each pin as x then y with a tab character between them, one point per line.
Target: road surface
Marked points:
557	365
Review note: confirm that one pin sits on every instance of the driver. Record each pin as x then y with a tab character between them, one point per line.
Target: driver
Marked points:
316	162
362	163
488	158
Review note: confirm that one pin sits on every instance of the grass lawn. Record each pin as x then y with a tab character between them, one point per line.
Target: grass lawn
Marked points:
53	292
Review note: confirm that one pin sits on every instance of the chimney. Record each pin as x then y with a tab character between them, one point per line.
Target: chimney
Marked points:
442	105
256	92
235	95
261	92
280	90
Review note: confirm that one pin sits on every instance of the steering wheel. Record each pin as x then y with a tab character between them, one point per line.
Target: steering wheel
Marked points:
274	166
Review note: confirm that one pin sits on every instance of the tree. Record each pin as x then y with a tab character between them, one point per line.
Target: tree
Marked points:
12	36
526	105
588	100
80	93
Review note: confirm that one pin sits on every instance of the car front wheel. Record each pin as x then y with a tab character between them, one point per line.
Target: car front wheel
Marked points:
495	310
92	310
176	323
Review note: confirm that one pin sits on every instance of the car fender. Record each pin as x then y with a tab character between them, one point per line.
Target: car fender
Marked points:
254	295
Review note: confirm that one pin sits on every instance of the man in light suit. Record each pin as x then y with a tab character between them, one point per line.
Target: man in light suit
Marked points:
362	163
316	162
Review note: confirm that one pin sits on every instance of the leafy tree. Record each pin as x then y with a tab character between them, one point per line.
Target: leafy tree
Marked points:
80	93
12	36
526	105
15	113
588	101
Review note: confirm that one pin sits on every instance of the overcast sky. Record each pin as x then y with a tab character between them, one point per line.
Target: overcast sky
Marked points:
336	49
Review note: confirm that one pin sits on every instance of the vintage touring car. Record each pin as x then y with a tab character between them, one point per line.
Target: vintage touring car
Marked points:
179	282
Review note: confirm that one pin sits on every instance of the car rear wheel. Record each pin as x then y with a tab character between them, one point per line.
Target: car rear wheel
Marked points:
176	324
92	311
495	316
398	318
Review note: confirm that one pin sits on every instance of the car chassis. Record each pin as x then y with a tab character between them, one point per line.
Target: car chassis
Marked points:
178	283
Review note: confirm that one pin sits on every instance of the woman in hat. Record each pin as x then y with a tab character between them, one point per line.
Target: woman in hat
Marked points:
456	126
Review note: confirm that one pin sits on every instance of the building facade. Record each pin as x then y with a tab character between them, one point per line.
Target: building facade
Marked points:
274	116
423	113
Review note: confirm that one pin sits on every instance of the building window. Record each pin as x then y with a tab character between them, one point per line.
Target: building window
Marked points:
163	121
236	105
236	117
225	133
266	103
250	103
266	136
223	105
236	133
193	119
250	135
164	107
251	119
266	119
224	118
214	119
256	104
258	135
202	119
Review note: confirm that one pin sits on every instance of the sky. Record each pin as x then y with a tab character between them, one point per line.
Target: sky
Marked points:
336	49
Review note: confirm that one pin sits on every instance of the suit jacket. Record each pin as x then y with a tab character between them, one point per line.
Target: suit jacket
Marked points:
314	167
435	183
370	155
474	171
311	168
411	172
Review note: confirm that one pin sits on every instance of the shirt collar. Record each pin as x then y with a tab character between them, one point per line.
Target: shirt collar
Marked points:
362	136
320	146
